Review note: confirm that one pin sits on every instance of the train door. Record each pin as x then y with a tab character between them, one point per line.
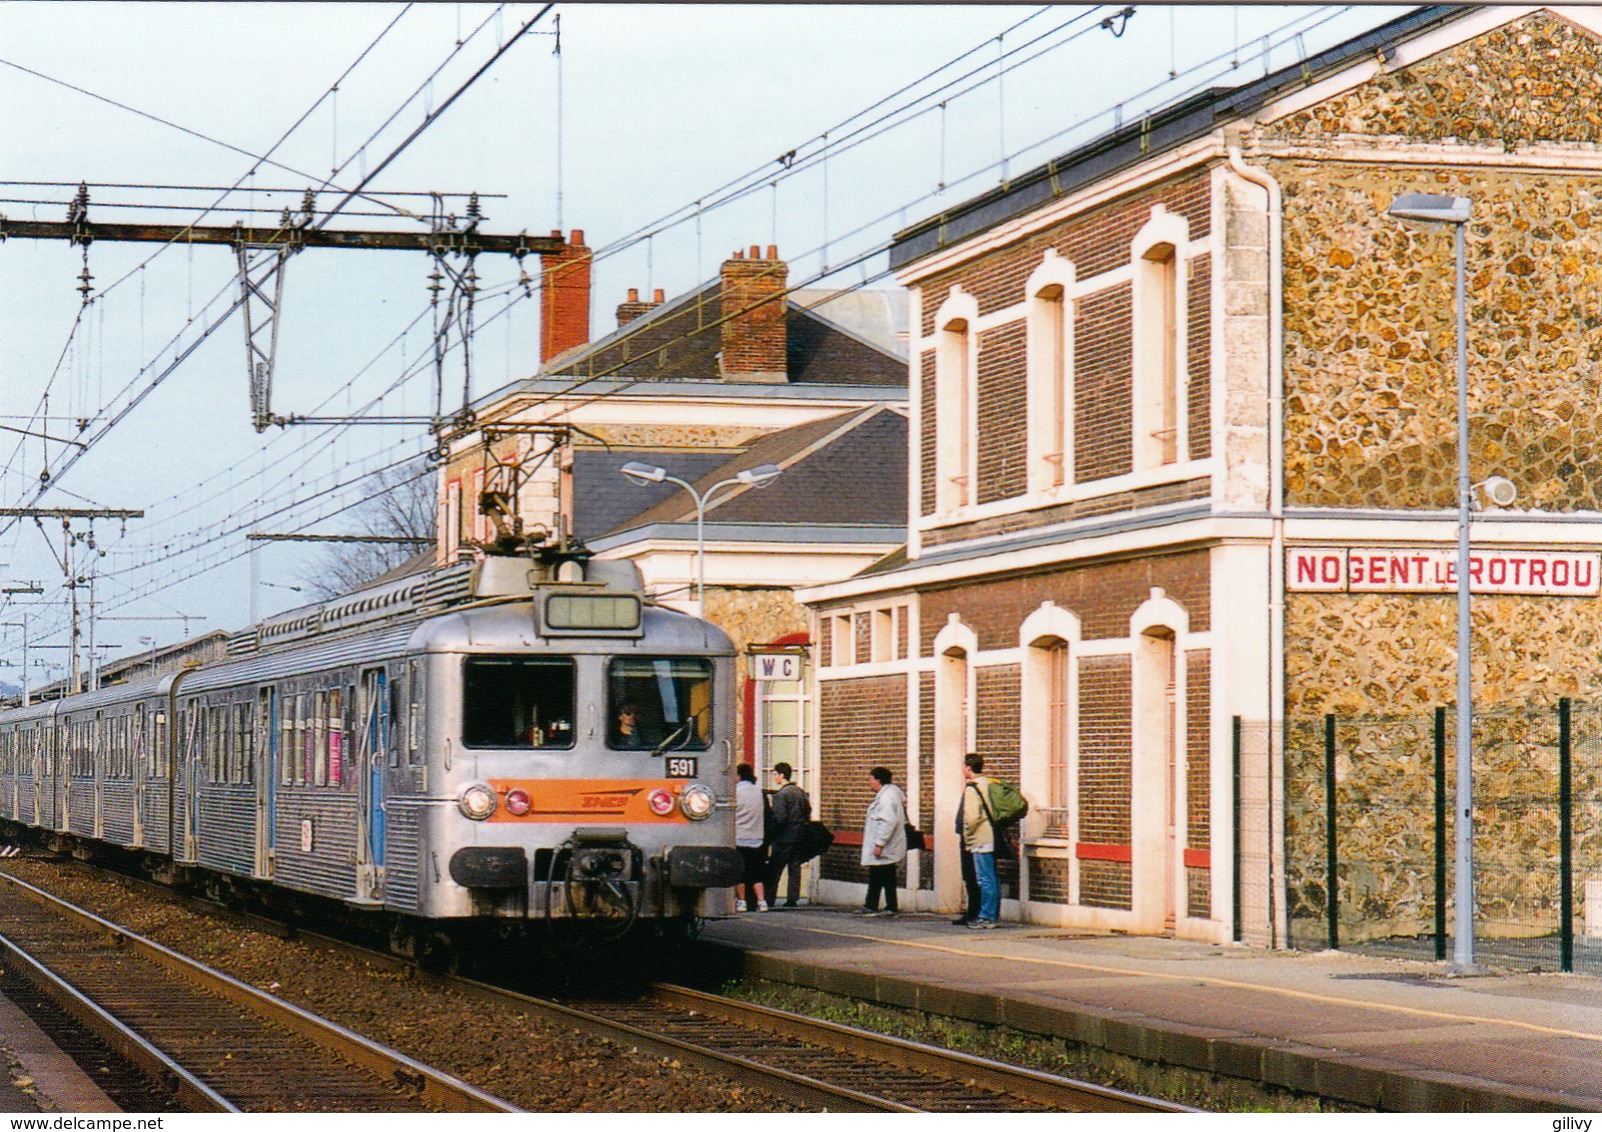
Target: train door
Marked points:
374	712
137	764
190	753
61	772
265	771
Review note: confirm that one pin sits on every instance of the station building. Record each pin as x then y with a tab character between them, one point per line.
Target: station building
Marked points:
1182	477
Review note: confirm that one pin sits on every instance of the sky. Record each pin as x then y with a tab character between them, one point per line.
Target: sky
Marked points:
664	132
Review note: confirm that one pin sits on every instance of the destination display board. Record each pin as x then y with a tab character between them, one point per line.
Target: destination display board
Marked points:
1544	573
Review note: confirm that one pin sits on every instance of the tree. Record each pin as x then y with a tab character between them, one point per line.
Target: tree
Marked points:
403	505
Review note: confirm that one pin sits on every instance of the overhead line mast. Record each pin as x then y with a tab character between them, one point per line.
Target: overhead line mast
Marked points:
263	253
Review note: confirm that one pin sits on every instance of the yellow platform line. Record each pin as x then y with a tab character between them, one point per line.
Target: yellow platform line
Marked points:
1231	984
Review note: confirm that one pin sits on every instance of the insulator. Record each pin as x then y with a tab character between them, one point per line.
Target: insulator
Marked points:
308	204
473	212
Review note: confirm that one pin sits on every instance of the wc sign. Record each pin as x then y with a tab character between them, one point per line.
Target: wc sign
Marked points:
775	666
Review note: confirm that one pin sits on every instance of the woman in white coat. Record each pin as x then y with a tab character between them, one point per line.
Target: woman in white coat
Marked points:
884	841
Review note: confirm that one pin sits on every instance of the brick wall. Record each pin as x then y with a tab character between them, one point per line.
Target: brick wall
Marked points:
1104	597
1096	241
927	433
1103	385
1199	360
1105	747
1106	884
1048	880
1003	413
1198	749
1109	504
864	726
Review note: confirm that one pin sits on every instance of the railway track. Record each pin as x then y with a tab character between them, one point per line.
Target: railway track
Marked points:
210	1042
809	1063
824	1065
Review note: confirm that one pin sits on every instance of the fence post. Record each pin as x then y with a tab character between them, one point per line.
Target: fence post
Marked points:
1440	834
1565	839
1234	751
1331	901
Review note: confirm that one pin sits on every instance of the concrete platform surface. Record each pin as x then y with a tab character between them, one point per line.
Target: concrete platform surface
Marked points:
1388	1034
36	1076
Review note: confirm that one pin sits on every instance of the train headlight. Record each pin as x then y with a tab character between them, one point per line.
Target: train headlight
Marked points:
697	802
477	801
518	802
660	801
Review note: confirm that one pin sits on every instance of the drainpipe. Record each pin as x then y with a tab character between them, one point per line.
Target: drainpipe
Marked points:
1278	926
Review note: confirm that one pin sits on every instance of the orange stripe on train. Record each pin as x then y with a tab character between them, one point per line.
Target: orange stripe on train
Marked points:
588	799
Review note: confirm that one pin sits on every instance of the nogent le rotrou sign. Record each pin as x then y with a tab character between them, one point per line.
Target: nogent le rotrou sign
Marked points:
1552	573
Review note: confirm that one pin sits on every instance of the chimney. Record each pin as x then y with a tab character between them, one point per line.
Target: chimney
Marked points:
754	330
632	309
564	297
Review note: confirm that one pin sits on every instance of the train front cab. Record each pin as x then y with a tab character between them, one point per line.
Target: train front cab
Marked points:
548	810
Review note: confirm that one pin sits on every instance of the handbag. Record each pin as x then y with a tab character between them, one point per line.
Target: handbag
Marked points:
914	837
815	840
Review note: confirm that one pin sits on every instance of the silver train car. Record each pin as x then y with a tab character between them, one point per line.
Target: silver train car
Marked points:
490	746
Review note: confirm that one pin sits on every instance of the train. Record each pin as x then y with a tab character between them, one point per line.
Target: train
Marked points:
516	744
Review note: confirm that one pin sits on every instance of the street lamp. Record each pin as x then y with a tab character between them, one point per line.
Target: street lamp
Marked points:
645	474
1431	208
151	641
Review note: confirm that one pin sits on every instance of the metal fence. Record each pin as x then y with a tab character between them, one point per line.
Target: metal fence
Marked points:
1370	841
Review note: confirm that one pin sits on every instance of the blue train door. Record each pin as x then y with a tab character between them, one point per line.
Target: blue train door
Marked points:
369	769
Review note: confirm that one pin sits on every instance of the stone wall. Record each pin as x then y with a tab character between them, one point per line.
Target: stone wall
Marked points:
1371	422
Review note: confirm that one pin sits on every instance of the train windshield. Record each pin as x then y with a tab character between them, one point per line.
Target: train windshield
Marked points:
659	703
518	701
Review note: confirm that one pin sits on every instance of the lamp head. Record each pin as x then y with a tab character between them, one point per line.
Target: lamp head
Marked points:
643	474
1499	491
759	476
1431	208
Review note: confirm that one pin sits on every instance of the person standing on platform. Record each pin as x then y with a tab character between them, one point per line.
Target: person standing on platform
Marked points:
979	841
750	826
884	841
792	809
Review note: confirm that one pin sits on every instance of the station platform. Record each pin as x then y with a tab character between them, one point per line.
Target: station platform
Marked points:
1387	1034
36	1076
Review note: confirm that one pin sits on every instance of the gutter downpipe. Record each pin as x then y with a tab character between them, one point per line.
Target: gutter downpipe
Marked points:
1278	923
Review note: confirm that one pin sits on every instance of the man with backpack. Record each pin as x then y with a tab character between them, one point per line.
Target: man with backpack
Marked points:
988	810
979	841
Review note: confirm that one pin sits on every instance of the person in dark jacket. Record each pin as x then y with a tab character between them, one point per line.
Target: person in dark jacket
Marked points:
792	809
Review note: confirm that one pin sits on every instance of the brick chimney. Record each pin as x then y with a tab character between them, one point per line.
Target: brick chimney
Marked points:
564	297
754	333
629	311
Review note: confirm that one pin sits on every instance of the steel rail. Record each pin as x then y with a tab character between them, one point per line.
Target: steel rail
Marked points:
1032	1085
792	1086
429	1084
185	1088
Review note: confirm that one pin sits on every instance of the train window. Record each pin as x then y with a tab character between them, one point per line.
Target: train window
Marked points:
523	702
319	769
336	737
395	717
286	741
299	752
414	742
659	702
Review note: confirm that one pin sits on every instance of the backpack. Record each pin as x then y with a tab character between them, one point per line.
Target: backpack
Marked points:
1007	805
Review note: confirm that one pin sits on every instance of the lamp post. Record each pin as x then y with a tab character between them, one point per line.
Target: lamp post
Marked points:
643	474
1432	208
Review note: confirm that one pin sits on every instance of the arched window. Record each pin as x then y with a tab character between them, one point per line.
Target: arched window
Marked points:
1048	723
956	395
1050	373
1159	341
